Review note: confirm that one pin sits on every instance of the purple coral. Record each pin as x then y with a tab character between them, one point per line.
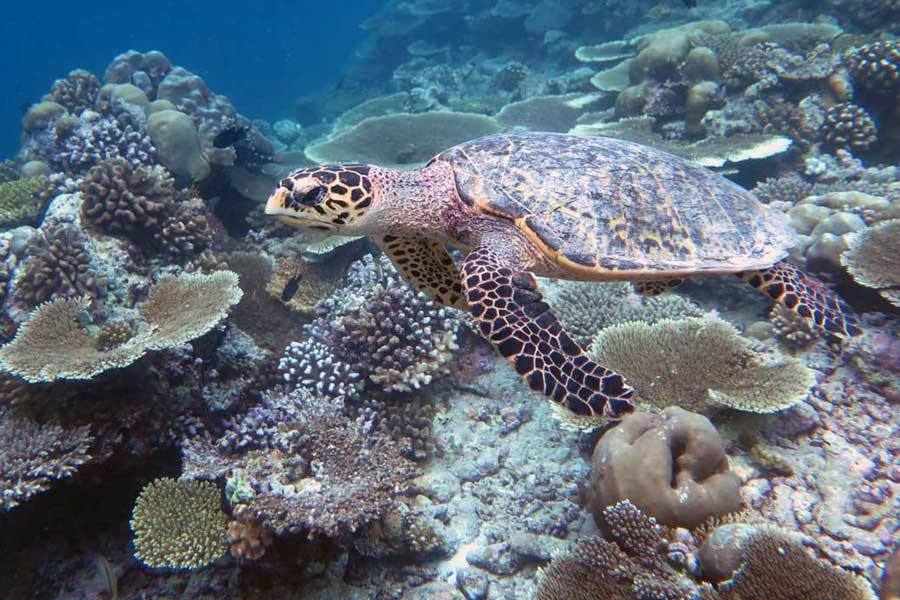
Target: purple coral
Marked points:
97	138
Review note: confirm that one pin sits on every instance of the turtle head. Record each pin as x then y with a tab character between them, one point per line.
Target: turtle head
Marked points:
333	198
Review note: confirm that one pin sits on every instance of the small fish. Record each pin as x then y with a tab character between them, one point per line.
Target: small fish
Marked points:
108	577
230	135
291	287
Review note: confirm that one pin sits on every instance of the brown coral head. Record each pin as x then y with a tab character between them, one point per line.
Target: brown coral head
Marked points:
671	465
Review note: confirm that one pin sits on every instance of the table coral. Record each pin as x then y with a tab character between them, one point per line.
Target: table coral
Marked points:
53	345
179	524
700	364
872	259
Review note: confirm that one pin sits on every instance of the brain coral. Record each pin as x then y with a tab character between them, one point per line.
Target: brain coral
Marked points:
179	524
52	344
700	364
35	454
671	465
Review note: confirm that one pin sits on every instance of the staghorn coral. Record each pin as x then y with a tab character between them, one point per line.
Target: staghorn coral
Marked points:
21	201
875	67
35	454
630	566
586	308
850	126
179	524
671	465
77	92
700	364
872	259
52	344
395	337
57	265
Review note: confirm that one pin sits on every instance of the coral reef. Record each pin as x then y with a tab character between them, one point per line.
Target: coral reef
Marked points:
701	364
35	454
671	465
179	524
53	345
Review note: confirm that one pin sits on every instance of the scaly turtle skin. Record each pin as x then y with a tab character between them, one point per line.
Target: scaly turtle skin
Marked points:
555	205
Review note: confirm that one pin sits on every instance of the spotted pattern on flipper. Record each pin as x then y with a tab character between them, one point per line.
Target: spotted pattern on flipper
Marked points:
806	296
426	265
514	318
655	287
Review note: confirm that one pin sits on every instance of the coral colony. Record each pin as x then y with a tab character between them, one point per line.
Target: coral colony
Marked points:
230	408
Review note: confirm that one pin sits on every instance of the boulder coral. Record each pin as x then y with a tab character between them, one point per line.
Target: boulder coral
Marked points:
671	465
177	143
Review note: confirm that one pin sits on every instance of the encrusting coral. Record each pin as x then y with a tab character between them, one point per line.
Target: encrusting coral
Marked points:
872	259
53	345
701	364
35	454
179	524
671	465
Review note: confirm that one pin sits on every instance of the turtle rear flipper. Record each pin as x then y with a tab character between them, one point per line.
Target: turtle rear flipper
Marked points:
806	296
513	317
655	287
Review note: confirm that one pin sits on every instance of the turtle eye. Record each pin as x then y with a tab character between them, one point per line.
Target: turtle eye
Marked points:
314	197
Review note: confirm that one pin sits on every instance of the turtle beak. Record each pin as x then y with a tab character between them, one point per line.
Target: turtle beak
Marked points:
276	202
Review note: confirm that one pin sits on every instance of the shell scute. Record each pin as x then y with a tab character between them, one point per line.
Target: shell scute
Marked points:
605	204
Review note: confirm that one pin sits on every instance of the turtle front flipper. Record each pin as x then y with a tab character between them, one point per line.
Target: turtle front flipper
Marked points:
513	317
426	265
806	296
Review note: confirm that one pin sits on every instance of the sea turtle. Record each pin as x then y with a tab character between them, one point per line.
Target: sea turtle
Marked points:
563	206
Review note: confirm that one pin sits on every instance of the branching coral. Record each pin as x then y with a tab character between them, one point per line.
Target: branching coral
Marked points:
395	337
79	144
849	125
21	201
179	524
671	465
52	344
311	365
872	259
36	454
699	364
77	92
122	198
58	265
876	66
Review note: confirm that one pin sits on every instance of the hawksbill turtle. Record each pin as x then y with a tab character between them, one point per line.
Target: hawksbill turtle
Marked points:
563	206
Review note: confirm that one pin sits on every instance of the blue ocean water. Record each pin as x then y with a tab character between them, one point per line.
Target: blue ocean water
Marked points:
262	55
